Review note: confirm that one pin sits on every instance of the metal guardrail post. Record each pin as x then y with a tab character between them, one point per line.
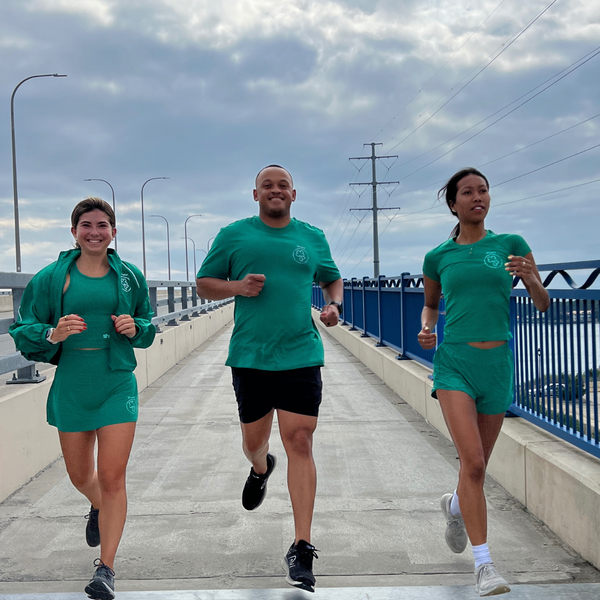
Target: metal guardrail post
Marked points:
184	302
195	301
403	279
171	305
27	375
352	328
364	296
380	279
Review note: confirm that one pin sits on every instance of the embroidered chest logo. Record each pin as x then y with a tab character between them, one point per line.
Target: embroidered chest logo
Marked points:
300	255
125	282
492	260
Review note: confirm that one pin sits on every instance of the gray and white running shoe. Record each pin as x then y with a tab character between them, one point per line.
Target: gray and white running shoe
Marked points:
488	582
456	534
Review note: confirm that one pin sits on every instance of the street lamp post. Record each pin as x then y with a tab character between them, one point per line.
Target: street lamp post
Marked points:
187	271
14	165
208	243
143	228
194	246
168	246
113	201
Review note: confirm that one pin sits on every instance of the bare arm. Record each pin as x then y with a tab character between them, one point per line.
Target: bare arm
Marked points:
212	288
332	291
430	313
525	268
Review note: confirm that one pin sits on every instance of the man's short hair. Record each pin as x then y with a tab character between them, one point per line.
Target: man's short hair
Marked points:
268	167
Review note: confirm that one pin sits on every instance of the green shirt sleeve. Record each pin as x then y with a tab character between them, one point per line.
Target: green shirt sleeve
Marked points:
327	270
216	263
430	266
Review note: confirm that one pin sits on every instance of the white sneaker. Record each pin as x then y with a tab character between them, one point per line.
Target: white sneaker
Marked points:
488	582
456	534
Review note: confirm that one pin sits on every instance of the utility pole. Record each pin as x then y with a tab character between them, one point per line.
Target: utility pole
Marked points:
374	207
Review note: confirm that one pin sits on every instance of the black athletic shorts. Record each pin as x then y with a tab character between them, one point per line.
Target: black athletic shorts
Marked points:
258	392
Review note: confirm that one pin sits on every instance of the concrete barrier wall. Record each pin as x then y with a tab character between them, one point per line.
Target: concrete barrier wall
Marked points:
28	444
557	482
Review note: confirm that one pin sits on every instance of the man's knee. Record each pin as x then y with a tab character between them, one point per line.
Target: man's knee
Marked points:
299	442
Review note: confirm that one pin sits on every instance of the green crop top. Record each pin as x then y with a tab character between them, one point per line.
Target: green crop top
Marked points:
475	285
94	299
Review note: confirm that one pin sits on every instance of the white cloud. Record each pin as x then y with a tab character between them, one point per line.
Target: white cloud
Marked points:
99	10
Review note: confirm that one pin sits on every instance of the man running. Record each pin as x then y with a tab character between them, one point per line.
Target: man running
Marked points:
269	263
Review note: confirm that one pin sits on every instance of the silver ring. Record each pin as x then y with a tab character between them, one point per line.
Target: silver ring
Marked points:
523	263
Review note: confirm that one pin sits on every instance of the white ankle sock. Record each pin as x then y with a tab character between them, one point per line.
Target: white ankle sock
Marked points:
454	506
481	554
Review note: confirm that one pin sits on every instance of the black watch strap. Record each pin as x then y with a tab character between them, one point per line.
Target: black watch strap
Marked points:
339	305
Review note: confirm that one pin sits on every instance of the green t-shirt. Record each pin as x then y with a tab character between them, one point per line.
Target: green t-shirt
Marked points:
273	331
476	285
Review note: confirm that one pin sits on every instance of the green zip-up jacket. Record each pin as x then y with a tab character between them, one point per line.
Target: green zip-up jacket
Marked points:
41	308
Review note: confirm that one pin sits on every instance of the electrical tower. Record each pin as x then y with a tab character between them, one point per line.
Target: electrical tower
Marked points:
374	207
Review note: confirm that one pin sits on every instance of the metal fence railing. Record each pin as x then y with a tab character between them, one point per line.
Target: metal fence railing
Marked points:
173	295
557	353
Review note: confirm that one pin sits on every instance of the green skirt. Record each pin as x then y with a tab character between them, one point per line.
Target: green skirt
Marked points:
86	395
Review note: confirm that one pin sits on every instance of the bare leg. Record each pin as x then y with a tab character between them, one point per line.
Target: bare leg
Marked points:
297	437
78	453
255	442
114	448
474	436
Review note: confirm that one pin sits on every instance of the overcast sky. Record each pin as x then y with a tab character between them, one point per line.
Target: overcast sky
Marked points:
207	93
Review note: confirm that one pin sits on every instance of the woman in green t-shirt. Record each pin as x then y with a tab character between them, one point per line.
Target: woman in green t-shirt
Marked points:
473	367
85	313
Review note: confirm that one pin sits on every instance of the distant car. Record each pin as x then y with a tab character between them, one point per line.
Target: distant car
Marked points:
558	390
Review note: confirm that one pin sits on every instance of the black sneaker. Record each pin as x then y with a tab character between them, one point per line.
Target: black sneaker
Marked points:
102	584
92	532
298	565
255	488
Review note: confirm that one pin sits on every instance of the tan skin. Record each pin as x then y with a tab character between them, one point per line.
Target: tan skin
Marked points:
275	193
103	485
474	434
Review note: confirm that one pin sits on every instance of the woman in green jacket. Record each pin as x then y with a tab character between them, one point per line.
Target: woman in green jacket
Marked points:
85	313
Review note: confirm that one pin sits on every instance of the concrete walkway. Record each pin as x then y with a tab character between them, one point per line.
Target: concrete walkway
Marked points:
378	526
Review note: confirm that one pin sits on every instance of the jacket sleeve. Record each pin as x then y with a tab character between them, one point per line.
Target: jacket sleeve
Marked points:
32	322
142	316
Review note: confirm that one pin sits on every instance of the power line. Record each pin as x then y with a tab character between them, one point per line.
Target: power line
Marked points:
596	53
504	49
442	67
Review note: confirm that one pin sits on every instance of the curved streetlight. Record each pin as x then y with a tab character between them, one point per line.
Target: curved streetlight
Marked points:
14	165
194	245
143	229
208	243
187	271
113	201
168	246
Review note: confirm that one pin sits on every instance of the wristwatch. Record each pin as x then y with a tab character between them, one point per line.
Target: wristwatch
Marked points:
49	335
339	305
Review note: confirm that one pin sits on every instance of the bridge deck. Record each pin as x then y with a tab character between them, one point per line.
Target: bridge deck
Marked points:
377	523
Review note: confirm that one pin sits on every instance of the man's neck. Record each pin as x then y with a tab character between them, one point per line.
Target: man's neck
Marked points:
278	223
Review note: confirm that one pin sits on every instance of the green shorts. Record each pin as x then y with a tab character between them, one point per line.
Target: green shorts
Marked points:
485	375
86	394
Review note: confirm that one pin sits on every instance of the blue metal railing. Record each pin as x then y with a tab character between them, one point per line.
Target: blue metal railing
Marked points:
556	353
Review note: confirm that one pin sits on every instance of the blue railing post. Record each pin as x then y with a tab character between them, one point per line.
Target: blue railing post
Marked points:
380	310
403	279
352	281
364	303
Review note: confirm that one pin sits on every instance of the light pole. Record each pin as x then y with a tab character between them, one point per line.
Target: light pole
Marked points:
113	201
143	229
194	245
187	271
14	165
168	247
208	243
